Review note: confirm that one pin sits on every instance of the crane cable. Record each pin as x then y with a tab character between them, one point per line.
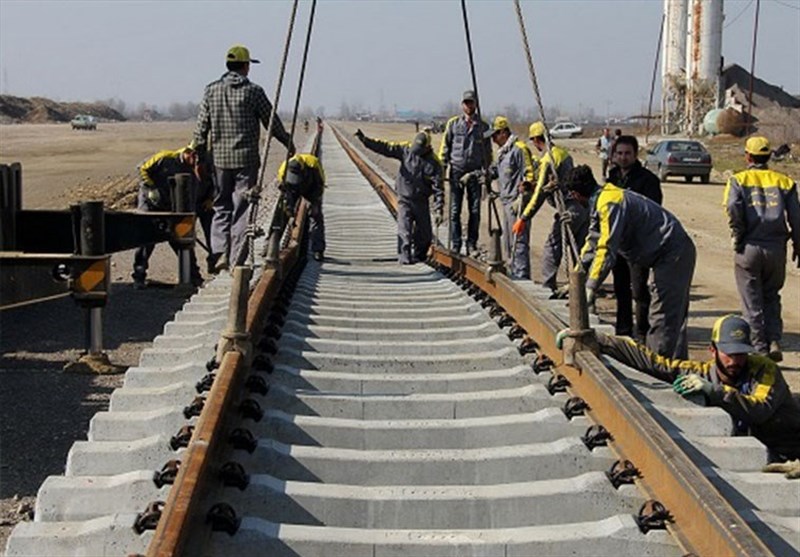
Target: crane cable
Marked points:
566	231
255	193
492	204
300	83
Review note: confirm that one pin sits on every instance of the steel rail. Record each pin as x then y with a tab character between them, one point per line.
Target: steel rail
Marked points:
183	511
704	521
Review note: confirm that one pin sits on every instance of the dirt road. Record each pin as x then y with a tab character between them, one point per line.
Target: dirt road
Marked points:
699	208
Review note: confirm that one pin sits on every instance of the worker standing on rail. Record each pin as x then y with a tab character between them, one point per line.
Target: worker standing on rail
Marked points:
624	222
514	171
763	211
630	280
466	152
230	115
575	215
305	178
155	195
419	177
747	385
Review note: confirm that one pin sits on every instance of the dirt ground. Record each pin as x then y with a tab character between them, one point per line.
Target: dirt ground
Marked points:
699	208
43	410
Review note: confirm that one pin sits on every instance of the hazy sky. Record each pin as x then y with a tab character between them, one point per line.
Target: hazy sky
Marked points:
404	54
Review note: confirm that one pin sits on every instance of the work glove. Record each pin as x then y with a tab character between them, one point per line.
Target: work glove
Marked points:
360	134
560	336
565	217
438	218
736	245
790	468
253	194
591	297
692	383
550	186
291	149
796	256
561	293
519	227
466	178
153	197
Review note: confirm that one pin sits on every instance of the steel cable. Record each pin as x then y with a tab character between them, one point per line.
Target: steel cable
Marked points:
568	238
256	195
492	205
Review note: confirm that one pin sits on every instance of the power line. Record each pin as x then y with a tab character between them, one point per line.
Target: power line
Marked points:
731	22
788	5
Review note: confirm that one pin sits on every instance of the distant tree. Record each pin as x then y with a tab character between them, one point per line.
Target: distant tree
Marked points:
450	108
321	111
512	113
345	113
182	111
117	104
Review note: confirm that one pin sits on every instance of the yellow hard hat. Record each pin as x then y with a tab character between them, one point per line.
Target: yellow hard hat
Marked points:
537	129
757	146
500	123
239	53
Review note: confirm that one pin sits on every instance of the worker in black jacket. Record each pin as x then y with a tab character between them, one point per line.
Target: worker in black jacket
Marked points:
630	280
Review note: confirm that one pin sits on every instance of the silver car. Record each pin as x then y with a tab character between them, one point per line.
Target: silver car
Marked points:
679	157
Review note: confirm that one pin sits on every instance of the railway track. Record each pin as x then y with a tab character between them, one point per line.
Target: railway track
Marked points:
399	410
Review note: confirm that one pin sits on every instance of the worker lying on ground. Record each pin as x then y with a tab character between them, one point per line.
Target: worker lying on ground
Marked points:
155	195
748	386
305	178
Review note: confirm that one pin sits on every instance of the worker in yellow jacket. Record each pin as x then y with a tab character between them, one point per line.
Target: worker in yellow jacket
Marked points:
763	212
304	177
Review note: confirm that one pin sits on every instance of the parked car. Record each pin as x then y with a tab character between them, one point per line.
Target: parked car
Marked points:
83	122
679	157
565	130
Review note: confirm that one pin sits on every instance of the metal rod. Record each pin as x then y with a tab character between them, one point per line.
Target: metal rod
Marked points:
184	266
752	72
182	202
653	81
95	330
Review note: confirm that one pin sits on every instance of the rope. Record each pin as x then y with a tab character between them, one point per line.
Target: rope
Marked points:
566	232
491	201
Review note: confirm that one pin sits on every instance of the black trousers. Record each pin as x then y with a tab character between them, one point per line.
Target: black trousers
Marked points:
630	284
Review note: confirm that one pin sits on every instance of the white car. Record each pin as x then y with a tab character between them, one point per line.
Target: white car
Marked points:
565	130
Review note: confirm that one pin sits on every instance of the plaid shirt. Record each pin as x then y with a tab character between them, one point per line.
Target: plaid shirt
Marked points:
230	116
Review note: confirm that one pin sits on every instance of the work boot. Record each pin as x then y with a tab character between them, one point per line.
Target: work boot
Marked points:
139	281
318	256
775	353
221	264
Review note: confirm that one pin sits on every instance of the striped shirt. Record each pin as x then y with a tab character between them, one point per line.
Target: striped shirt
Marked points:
230	118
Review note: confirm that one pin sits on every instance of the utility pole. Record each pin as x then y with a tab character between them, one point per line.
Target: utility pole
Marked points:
752	72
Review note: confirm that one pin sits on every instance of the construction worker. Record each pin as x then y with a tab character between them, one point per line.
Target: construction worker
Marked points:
466	152
514	171
763	211
419	177
155	194
747	385
230	115
624	222
305	178
575	215
630	281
